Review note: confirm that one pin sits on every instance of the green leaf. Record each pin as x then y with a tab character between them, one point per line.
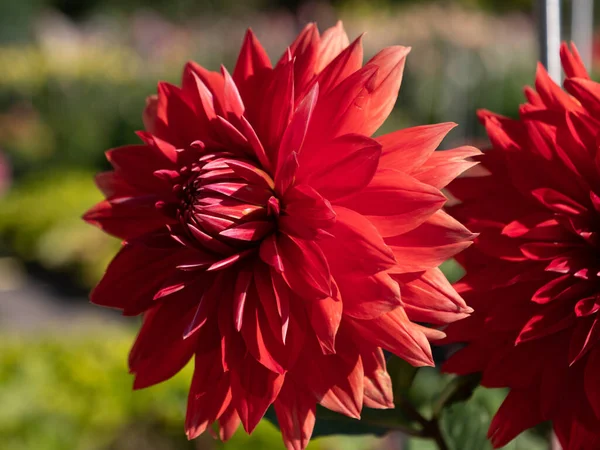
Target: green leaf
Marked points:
458	389
465	424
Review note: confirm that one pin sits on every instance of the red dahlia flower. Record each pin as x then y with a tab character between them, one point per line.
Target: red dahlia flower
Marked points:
532	276
267	235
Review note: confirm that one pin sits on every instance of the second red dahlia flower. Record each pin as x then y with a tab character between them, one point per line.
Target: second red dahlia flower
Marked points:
270	237
532	276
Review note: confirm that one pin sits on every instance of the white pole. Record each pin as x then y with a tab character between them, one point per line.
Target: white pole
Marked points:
549	36
582	28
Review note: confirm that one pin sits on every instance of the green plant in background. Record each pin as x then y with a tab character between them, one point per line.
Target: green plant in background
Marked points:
72	391
41	220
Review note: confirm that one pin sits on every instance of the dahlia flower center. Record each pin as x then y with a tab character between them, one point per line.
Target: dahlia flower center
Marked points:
226	203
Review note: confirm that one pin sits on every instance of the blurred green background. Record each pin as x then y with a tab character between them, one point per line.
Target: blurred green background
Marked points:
73	78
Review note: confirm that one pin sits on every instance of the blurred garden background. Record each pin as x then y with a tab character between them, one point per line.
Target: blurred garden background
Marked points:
74	75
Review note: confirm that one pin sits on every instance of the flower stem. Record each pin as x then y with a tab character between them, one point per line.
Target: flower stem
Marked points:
430	427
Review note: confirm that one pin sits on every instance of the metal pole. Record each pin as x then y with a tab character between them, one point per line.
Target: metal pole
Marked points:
549	36
582	28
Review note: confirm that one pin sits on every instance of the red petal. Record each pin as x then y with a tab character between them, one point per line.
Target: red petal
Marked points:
233	104
129	286
552	318
270	253
228	423
586	335
368	296
177	116
240	291
259	337
252	65
274	297
383	91
325	316
519	411
209	397
396	333
249	231
571	62
586	91
293	137
341	167
306	213
395	202
160	350
444	166
429	298
378	384
333	41
304	52
136	164
590	380
407	150
127	218
345	64
337	380
276	108
296	410
357	245
254	389
305	267
434	241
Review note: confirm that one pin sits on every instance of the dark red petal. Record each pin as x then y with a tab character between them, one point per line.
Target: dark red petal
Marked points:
586	335
305	267
177	114
114	185
240	292
254	389
296	410
228	423
337	380
129	286
590	380
261	340
161	348
270	253
552	318
274	297
128	217
252	64
210	394
519	411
